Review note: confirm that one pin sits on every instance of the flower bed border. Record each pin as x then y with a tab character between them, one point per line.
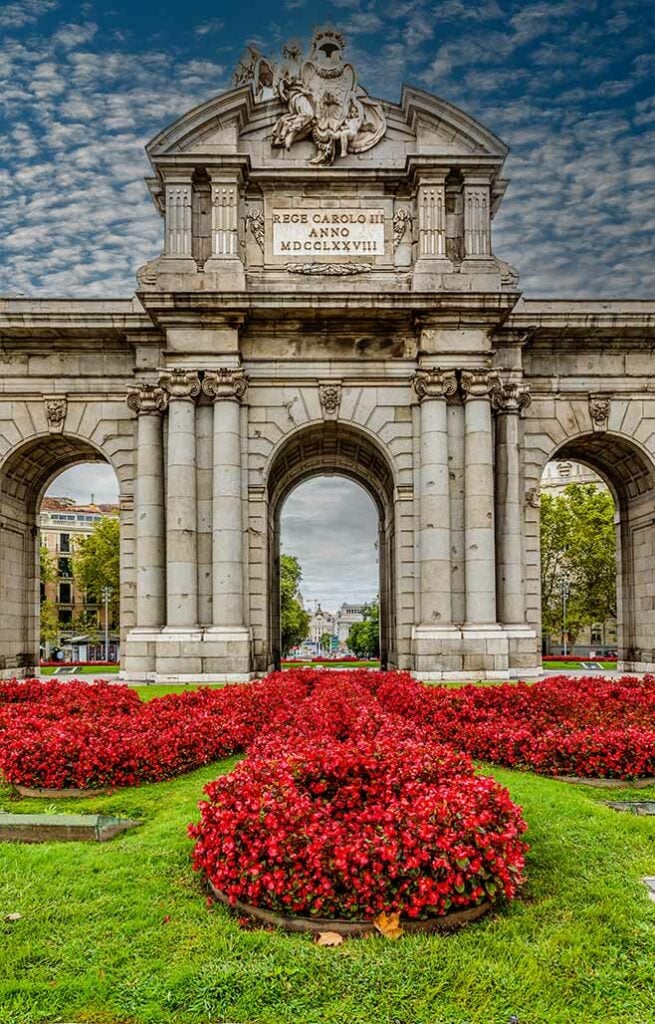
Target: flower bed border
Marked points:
61	794
600	783
352	929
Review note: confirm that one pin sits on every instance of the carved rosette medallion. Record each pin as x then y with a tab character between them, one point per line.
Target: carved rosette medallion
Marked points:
599	411
55	413
434	383
329	395
512	397
180	384
225	383
146	399
480	383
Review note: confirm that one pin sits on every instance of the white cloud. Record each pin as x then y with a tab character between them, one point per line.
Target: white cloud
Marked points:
25	12
331	525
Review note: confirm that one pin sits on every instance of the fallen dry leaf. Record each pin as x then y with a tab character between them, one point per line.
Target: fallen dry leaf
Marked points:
329	939
388	925
13	917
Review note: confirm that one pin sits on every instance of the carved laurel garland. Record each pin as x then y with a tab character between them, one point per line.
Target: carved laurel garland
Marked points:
330	269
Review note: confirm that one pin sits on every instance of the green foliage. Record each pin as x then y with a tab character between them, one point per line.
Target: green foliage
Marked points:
49	623
47	565
294	620
120	931
96	563
86	624
578	540
364	637
326	641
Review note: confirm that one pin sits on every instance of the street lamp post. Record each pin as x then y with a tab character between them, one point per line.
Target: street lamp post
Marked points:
106	593
564	583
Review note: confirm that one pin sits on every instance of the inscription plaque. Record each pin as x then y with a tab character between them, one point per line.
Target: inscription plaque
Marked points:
312	231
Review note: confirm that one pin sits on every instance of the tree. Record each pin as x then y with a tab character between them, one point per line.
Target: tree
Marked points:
49	621
47	566
325	643
364	637
578	543
96	563
294	620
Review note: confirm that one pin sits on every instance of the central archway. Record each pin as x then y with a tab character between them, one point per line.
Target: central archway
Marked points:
325	449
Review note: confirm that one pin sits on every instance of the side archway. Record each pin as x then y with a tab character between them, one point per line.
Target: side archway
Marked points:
25	475
333	449
629	473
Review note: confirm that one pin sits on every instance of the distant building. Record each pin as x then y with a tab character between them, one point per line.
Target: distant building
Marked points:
337	624
61	523
558	475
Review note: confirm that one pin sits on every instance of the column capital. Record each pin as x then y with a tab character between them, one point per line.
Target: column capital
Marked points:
180	384
480	383
432	382
225	383
512	397
146	399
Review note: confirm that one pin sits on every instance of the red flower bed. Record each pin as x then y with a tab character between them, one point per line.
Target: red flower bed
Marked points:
354	827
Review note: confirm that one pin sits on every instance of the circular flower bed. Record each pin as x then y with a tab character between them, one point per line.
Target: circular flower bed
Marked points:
354	828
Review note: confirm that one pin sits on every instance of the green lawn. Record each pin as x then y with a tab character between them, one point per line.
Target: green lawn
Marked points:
121	933
577	664
84	670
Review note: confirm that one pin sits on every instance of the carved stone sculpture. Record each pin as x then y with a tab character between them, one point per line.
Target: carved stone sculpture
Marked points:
225	382
55	411
599	411
322	98
329	395
402	219
255	221
330	269
434	383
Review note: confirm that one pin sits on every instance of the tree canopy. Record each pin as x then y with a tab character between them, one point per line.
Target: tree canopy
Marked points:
578	543
364	637
294	620
96	563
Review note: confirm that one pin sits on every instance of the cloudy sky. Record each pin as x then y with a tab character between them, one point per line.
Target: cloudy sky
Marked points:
568	84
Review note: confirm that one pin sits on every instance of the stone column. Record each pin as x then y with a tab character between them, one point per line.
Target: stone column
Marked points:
480	544
433	387
508	402
149	402
431	261
225	259
183	387
227	387
477	219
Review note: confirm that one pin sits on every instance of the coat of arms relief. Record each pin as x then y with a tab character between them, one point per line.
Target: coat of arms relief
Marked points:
323	99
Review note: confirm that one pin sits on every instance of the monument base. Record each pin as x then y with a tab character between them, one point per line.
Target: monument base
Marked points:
475	651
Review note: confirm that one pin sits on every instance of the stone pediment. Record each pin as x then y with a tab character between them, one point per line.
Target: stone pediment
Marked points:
297	174
234	123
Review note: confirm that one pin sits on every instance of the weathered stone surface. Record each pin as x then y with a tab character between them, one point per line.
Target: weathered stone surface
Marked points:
61	828
416	368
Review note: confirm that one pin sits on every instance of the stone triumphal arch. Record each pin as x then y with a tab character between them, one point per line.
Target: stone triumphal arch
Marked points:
327	300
